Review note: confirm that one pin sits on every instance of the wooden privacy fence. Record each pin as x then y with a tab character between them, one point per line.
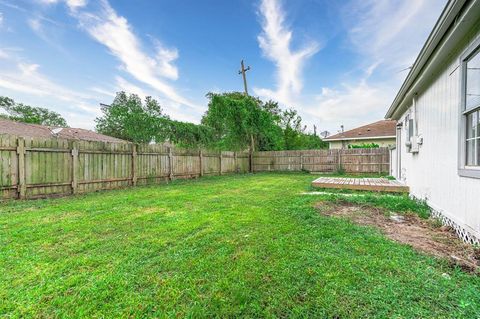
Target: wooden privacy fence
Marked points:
39	167
359	160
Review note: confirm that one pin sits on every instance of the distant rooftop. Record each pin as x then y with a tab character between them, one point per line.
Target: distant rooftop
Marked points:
35	130
384	128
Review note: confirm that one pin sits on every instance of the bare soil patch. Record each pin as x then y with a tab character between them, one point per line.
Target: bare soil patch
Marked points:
425	235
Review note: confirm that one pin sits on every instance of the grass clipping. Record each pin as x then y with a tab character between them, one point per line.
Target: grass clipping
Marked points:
423	234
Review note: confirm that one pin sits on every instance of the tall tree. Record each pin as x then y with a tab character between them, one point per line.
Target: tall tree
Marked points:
130	119
291	123
239	121
28	114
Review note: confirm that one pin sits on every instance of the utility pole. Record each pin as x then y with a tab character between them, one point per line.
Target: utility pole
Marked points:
242	72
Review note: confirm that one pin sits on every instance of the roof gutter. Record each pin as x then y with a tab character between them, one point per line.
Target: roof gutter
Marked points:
430	54
360	138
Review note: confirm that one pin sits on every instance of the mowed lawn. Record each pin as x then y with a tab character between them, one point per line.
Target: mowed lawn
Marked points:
230	246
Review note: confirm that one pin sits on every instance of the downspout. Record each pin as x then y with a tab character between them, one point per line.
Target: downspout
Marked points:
399	151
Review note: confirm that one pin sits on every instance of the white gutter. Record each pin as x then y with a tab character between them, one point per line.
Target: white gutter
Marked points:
359	138
431	54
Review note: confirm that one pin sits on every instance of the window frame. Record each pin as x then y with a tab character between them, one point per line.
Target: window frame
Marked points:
464	169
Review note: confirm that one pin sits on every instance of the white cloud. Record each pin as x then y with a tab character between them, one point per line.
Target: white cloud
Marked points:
35	25
387	35
390	33
275	42
1	19
26	78
24	81
124	85
7	53
350	105
48	30
152	71
103	91
12	6
72	4
165	58
115	33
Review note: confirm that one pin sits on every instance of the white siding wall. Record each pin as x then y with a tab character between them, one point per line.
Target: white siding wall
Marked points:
432	173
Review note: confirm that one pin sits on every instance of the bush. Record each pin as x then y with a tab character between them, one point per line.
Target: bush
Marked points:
364	145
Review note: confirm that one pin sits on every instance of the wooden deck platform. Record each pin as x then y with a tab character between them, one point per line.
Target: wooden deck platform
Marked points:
366	184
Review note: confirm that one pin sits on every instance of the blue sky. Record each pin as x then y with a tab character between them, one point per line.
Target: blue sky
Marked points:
336	62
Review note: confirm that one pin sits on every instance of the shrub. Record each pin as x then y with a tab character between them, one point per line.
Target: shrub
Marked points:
364	145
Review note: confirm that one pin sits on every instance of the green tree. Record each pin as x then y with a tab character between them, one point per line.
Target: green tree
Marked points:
311	142
239	121
28	114
130	119
233	121
291	124
185	134
295	137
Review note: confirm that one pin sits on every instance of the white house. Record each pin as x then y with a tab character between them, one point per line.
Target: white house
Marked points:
438	120
381	133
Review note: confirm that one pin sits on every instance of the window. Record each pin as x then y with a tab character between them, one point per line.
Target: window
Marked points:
470	155
473	139
472	106
472	82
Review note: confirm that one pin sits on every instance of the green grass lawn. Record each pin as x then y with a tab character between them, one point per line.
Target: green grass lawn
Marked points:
230	246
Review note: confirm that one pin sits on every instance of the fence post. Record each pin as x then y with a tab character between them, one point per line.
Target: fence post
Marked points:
235	169
250	161
200	157
301	161
22	185
134	165
170	161
221	152
74	168
339	154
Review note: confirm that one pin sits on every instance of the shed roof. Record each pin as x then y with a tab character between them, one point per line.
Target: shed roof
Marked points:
383	128
35	130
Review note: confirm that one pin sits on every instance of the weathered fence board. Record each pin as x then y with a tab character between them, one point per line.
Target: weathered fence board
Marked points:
367	160
39	167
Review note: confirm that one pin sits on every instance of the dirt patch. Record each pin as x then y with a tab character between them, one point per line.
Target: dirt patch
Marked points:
424	235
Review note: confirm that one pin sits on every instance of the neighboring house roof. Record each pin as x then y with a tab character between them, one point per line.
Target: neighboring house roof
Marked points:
380	129
457	18
35	130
